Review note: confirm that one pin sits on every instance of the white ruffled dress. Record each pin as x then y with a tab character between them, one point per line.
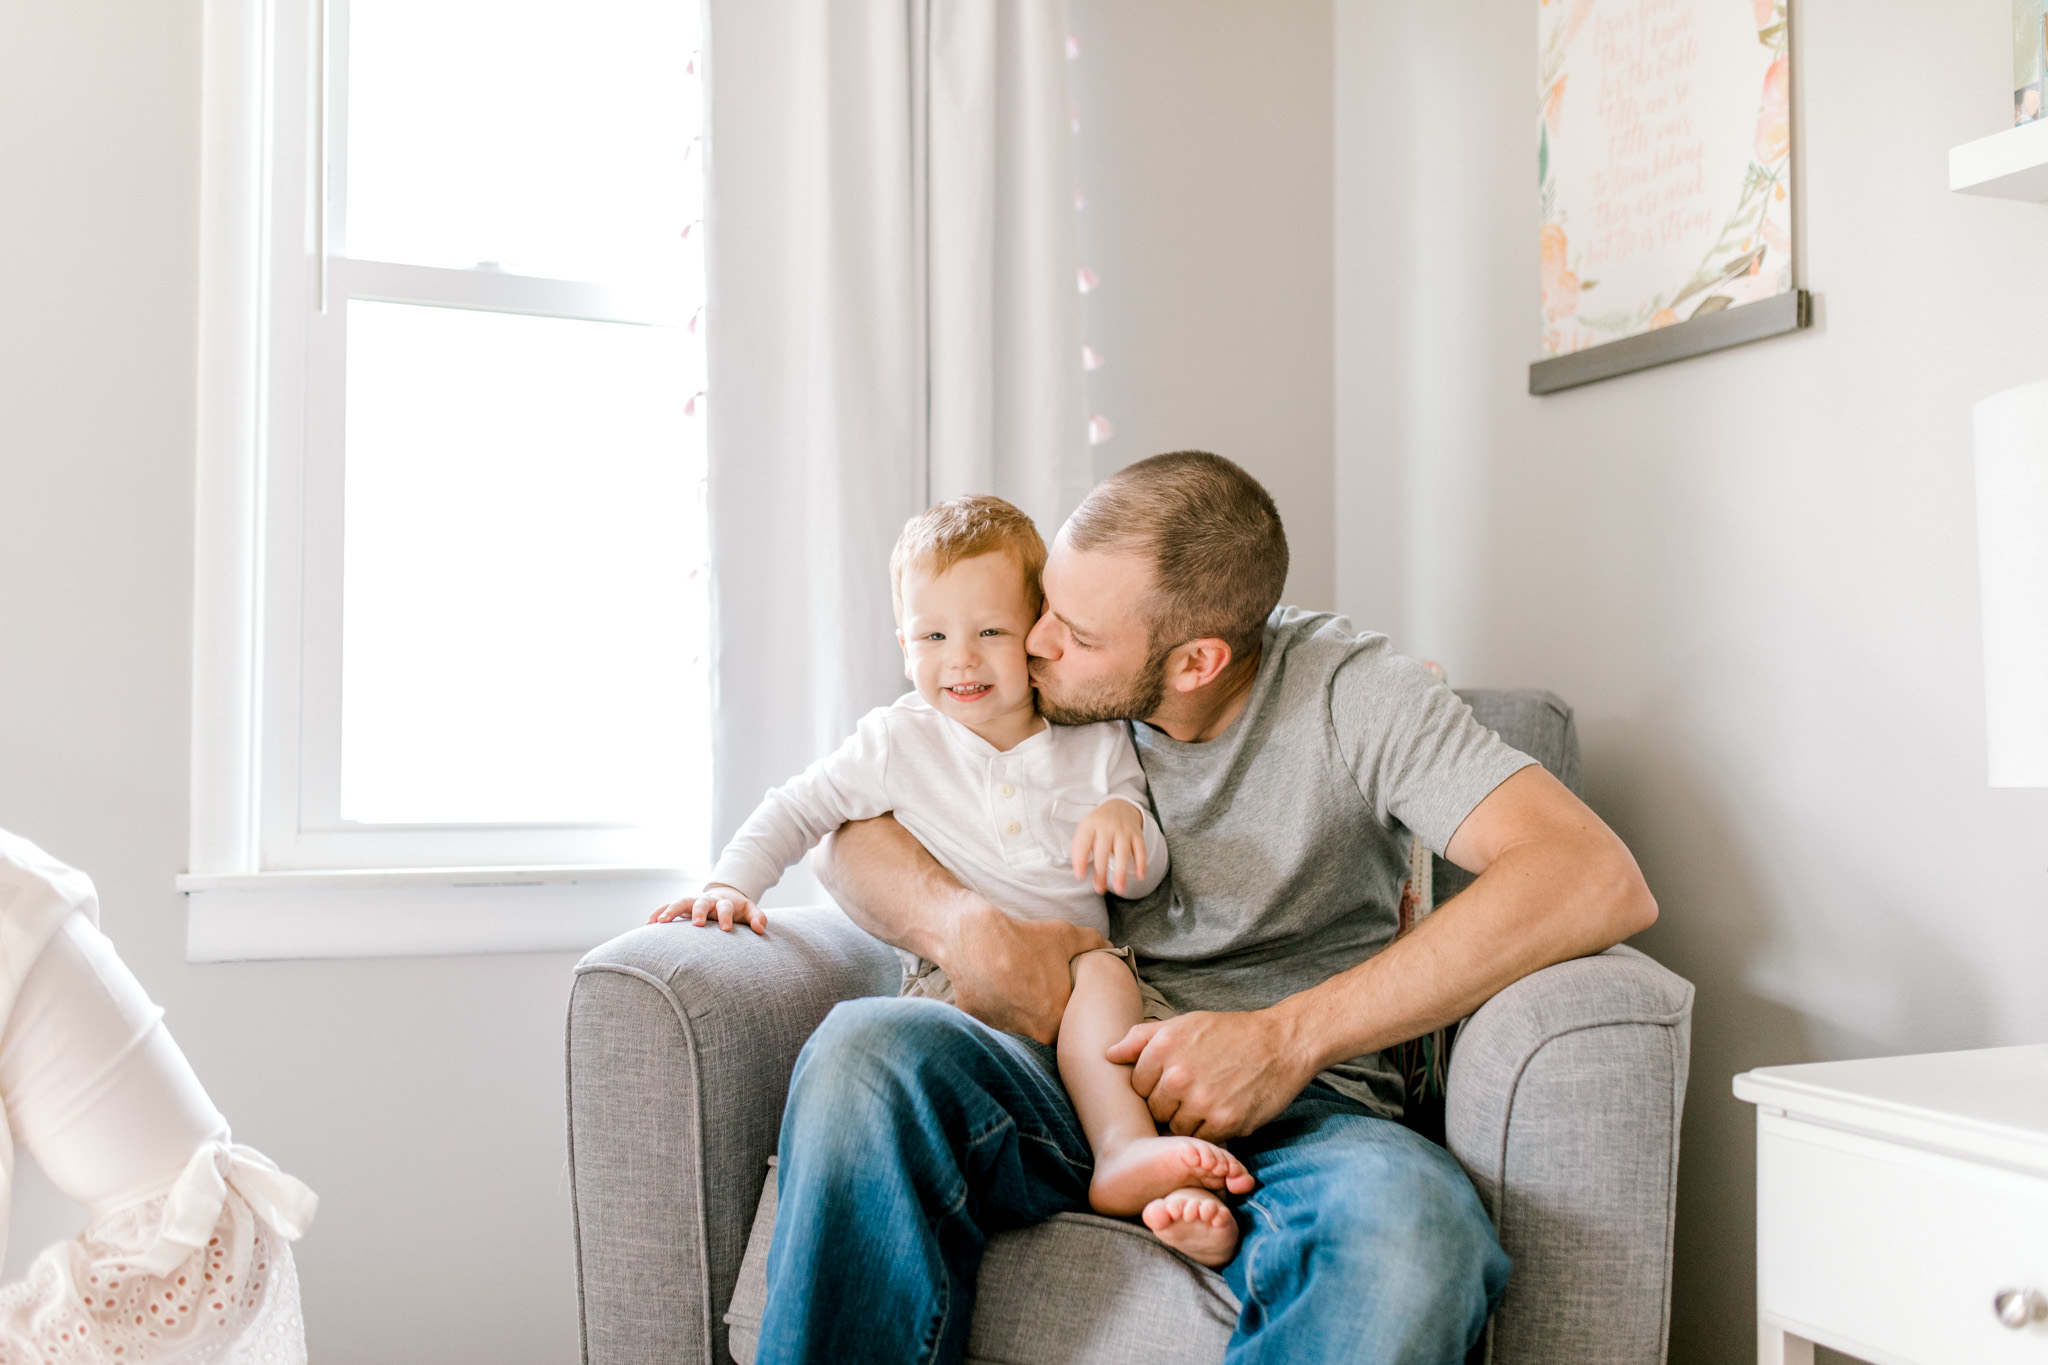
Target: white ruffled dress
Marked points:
199	1272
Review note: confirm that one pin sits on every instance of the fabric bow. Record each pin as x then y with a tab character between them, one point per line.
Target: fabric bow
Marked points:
192	1210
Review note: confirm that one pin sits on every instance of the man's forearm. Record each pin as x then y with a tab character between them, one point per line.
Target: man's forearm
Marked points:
892	887
1008	973
1534	906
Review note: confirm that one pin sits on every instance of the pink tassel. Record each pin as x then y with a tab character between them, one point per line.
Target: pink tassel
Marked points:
690	408
1091	359
1099	429
691	69
695	318
1087	281
691	227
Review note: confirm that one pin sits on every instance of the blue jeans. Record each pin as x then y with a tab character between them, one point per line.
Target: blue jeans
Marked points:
914	1133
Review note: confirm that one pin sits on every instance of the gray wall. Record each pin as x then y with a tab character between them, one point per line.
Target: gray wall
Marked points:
1753	573
1204	153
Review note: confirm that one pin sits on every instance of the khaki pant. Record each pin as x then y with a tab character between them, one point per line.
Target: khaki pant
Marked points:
928	981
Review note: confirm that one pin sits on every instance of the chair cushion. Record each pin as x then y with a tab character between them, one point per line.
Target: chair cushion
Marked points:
1072	1290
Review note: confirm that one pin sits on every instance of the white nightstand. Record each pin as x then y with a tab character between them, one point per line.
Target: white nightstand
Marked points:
1902	1208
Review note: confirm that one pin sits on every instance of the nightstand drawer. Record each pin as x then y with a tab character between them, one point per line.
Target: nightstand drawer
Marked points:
1894	1253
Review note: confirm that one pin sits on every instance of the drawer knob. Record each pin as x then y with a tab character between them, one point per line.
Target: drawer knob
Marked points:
2018	1307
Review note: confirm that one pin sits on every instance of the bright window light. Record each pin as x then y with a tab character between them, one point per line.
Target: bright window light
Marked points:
523	619
540	139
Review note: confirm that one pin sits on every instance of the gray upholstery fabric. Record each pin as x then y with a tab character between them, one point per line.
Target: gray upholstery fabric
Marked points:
680	1046
1565	1093
1563	1107
1072	1290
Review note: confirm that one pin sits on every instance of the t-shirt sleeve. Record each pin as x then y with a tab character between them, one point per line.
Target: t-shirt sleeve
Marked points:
850	783
1417	752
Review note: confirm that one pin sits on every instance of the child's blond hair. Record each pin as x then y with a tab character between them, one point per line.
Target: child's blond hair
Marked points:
960	528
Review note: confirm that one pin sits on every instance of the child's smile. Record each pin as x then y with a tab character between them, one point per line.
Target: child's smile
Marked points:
963	645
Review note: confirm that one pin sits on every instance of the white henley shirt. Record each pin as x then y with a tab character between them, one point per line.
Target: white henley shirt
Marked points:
1002	821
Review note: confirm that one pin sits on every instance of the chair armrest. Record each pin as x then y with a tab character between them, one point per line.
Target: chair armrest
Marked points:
680	1047
1563	1105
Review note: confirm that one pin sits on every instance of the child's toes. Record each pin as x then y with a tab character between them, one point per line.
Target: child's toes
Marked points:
1196	1224
1209	1161
1196	1158
1223	1171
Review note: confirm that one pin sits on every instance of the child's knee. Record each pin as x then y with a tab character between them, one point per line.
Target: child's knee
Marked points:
1101	968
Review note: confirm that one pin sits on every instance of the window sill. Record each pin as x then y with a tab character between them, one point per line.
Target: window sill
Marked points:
271	916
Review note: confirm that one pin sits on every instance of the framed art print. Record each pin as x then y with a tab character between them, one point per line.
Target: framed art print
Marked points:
1664	183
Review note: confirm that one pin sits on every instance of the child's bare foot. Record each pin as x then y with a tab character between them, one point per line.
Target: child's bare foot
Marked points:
1195	1223
1149	1168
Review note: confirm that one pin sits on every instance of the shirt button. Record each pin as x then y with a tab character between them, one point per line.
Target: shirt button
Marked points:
1006	791
1013	828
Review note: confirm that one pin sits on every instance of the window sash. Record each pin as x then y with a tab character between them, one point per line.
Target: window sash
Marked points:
305	283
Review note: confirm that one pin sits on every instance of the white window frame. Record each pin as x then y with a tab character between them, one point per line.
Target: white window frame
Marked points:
274	871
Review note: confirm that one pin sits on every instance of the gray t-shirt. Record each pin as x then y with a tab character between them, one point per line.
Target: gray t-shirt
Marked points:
1288	830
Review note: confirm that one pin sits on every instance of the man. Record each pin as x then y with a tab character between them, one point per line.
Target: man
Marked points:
1286	756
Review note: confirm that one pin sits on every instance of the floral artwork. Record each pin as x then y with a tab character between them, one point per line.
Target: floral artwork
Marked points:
1663	161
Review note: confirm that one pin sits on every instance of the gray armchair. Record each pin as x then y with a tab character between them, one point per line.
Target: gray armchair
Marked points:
1563	1106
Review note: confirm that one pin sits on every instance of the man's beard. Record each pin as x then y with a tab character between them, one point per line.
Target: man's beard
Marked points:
1135	700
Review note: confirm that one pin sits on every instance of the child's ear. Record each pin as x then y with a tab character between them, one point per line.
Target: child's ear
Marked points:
904	645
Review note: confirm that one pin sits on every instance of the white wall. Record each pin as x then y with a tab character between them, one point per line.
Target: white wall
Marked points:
421	1099
1204	153
1752	573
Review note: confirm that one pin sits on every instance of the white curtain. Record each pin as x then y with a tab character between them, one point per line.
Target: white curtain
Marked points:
893	320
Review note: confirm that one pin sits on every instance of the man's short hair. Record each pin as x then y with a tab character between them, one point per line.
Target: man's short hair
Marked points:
945	533
1218	551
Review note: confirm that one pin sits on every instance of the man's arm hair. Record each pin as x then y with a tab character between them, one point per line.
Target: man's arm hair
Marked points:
1009	973
1554	883
891	886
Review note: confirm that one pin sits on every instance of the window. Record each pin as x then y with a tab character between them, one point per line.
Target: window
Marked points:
452	589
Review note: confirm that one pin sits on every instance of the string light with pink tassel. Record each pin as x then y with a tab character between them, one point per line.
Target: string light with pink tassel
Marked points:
1100	428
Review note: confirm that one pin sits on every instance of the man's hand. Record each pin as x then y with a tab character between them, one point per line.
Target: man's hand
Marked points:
1011	973
1213	1075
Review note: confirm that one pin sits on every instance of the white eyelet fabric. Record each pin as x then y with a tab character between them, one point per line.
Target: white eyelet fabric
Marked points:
199	1275
187	1256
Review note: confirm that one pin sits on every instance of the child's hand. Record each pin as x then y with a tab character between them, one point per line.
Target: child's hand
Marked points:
1112	838
728	903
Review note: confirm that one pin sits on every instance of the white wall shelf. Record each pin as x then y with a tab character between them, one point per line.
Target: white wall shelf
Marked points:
2008	165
